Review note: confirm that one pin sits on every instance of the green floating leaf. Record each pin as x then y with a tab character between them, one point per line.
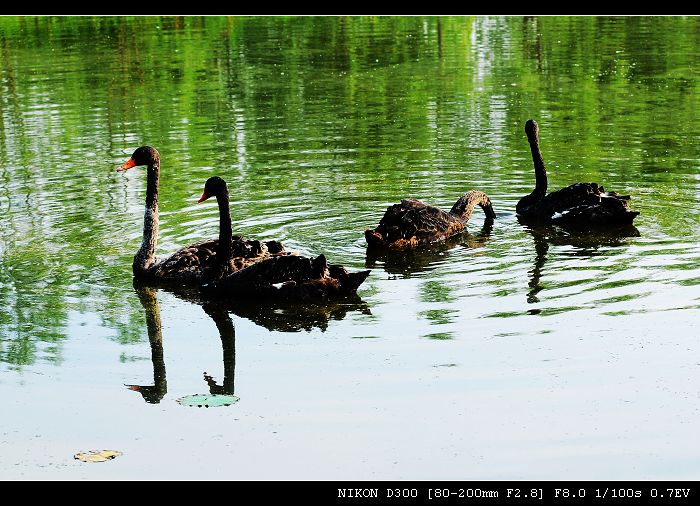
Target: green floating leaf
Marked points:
97	455
208	400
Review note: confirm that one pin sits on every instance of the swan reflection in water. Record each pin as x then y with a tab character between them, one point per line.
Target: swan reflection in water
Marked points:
227	332
280	317
419	259
586	244
153	394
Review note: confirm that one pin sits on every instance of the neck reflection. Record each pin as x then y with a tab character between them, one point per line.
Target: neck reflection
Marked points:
585	244
155	392
227	332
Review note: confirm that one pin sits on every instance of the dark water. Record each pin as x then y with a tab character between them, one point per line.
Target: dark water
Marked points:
511	353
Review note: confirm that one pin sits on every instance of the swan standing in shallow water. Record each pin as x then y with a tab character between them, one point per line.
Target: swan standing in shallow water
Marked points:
411	222
578	205
193	263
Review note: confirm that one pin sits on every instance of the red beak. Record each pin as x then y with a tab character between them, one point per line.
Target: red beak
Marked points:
127	165
203	197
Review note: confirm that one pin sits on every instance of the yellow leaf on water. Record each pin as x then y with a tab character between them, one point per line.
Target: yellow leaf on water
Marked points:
97	455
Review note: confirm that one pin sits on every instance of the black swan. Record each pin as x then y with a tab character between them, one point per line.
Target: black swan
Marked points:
406	261
577	205
412	223
192	263
235	253
280	277
289	278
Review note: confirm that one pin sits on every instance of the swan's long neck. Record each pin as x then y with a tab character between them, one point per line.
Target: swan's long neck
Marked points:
465	205
145	257
540	171
225	230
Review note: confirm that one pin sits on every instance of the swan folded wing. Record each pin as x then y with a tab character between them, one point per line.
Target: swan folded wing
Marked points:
560	201
290	278
274	247
245	253
412	221
428	223
589	204
247	249
191	262
188	263
274	270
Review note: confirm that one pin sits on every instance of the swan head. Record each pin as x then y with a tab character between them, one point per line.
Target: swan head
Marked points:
531	128
214	186
145	155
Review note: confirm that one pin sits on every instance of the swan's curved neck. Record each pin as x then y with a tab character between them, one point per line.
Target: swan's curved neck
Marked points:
145	257
465	205
225	230
540	170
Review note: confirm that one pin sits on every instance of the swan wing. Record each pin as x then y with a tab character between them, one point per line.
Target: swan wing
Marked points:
411	219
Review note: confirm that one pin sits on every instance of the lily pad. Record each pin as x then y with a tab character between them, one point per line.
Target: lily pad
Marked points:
97	455
208	400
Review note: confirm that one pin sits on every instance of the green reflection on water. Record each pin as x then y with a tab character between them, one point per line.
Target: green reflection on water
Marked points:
440	336
319	124
438	316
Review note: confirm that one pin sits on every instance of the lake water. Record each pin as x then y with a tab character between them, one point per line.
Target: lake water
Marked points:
511	354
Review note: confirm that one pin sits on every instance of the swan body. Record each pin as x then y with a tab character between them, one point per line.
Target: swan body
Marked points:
411	260
289	278
411	222
577	205
197	262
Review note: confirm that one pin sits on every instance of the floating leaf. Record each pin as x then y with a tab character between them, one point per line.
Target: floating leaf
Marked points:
208	400
97	455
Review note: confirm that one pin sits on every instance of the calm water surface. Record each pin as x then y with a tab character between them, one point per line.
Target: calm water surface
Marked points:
512	353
